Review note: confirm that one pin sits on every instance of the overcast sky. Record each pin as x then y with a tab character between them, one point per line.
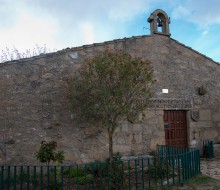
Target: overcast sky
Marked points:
69	23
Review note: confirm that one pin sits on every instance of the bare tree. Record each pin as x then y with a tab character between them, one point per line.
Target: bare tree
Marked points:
15	54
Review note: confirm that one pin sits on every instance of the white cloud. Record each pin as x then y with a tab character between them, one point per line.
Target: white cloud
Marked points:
205	32
125	10
60	24
28	30
67	22
88	33
180	12
203	13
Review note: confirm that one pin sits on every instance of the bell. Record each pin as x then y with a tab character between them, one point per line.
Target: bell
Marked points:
159	22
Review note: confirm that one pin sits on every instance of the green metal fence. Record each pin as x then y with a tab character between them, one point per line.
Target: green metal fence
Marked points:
184	161
208	149
167	167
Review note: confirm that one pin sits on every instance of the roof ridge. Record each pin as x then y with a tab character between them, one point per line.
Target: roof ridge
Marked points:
68	49
72	48
188	47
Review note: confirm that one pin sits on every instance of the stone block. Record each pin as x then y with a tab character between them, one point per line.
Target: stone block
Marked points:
164	50
159	113
216	148
161	123
9	103
148	131
92	131
210	134
120	141
124	127
6	82
148	114
192	125
205	115
152	121
158	134
122	148
34	78
119	138
20	80
135	137
197	101
118	129
85	158
48	76
204	124
216	116
156	141
136	127
136	148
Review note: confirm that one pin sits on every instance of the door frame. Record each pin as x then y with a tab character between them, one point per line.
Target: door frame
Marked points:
185	123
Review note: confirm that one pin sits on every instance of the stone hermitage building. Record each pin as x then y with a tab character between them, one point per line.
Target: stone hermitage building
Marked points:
185	108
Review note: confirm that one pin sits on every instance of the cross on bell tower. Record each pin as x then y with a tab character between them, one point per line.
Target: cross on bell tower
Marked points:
159	19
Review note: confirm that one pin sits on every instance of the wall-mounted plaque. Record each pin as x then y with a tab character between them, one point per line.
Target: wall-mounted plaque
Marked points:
169	104
195	114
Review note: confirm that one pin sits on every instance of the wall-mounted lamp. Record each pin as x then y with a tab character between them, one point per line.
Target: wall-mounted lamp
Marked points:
202	90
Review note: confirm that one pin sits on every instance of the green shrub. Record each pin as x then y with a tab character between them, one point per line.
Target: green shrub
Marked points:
117	156
47	153
159	168
86	179
58	182
98	168
76	172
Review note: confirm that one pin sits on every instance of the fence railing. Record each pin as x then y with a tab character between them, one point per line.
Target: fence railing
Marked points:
208	149
166	167
185	160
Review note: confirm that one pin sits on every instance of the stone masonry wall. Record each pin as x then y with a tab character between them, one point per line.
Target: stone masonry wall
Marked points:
33	105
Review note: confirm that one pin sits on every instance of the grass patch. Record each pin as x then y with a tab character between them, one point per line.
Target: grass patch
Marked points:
203	182
200	182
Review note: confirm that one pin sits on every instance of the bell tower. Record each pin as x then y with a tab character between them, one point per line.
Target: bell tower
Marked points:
159	23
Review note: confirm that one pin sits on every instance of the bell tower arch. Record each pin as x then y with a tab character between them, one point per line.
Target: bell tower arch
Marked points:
159	19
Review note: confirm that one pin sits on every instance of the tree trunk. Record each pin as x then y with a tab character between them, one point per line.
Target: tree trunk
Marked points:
110	140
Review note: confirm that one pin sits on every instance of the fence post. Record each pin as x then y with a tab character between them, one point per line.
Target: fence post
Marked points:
48	178
28	177
142	170
15	177
9	176
199	161
62	177
2	177
35	177
41	177
21	177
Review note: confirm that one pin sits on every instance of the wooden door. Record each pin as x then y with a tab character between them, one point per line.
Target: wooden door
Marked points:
175	128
